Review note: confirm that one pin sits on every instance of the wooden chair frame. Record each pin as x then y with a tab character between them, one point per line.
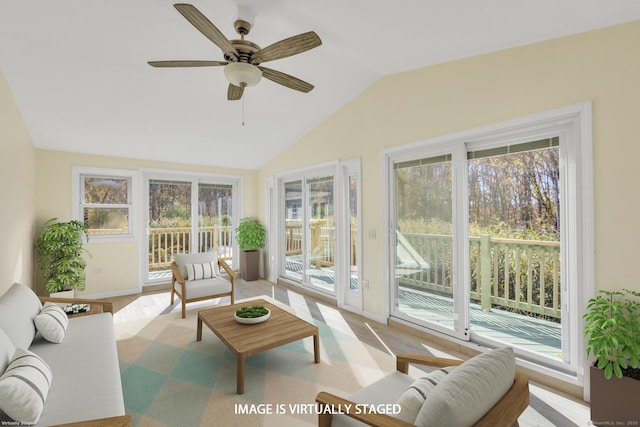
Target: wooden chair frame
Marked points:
504	413
176	276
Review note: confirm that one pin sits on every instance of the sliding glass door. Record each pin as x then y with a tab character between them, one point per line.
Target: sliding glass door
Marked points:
486	237
188	214
308	249
424	254
169	225
215	219
318	234
321	233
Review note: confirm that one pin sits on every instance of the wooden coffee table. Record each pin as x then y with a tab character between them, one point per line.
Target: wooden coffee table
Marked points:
243	340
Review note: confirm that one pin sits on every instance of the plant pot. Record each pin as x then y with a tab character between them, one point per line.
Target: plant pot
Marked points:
250	265
252	320
614	401
63	294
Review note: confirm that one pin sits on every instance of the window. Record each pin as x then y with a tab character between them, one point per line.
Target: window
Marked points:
105	201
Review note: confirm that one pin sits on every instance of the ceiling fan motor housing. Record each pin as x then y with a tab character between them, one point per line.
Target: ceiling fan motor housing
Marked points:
242	74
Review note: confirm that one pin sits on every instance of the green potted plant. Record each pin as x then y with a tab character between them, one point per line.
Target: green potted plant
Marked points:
613	331
250	235
60	250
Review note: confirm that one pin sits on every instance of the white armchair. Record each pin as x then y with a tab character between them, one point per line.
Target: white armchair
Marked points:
196	277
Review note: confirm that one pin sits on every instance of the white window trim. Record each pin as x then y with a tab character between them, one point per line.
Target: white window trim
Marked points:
349	299
77	201
580	237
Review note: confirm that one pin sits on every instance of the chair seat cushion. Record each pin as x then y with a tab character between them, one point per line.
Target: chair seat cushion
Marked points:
385	390
86	383
205	287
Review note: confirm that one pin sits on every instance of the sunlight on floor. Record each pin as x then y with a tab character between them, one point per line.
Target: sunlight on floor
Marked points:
152	305
379	339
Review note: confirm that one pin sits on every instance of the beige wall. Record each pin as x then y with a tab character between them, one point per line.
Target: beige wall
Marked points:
602	66
113	266
17	192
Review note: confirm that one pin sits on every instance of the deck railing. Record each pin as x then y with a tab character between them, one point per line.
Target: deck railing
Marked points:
166	242
518	275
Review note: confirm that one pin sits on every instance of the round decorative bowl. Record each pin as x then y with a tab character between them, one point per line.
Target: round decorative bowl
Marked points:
252	320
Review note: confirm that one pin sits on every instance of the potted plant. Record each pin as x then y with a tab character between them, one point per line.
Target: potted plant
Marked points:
60	250
613	331
250	235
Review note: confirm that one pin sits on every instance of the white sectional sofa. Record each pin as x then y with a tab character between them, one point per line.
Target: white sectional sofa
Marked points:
84	376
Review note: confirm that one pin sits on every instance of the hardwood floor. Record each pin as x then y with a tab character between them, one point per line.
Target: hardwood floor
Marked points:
549	407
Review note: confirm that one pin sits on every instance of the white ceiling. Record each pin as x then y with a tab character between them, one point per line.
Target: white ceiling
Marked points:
78	69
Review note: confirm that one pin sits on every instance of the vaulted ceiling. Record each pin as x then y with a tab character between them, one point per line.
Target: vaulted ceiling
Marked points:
79	74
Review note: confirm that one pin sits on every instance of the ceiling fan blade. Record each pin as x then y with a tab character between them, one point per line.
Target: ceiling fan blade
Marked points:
187	63
234	92
287	47
286	80
210	31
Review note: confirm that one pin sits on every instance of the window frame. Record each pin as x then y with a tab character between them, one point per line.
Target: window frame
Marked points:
79	173
577	156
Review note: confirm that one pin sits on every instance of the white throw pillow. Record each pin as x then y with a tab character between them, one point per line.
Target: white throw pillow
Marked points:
24	387
413	397
199	258
7	350
469	391
52	322
206	270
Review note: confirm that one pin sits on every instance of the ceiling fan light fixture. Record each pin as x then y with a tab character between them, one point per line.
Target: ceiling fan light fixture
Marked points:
242	74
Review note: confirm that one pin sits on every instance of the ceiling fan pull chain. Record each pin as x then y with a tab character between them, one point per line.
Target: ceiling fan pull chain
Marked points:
243	109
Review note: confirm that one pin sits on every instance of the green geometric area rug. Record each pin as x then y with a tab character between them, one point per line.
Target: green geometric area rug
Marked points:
169	379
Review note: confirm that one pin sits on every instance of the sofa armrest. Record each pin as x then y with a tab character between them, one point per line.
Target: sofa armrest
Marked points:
348	408
103	306
122	421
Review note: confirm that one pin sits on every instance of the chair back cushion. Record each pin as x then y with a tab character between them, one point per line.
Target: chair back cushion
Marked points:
201	258
469	391
7	350
18	307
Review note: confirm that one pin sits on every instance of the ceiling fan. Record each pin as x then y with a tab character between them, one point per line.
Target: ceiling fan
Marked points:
243	58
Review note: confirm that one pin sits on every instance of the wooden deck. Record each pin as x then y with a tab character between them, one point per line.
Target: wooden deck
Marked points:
533	334
541	336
